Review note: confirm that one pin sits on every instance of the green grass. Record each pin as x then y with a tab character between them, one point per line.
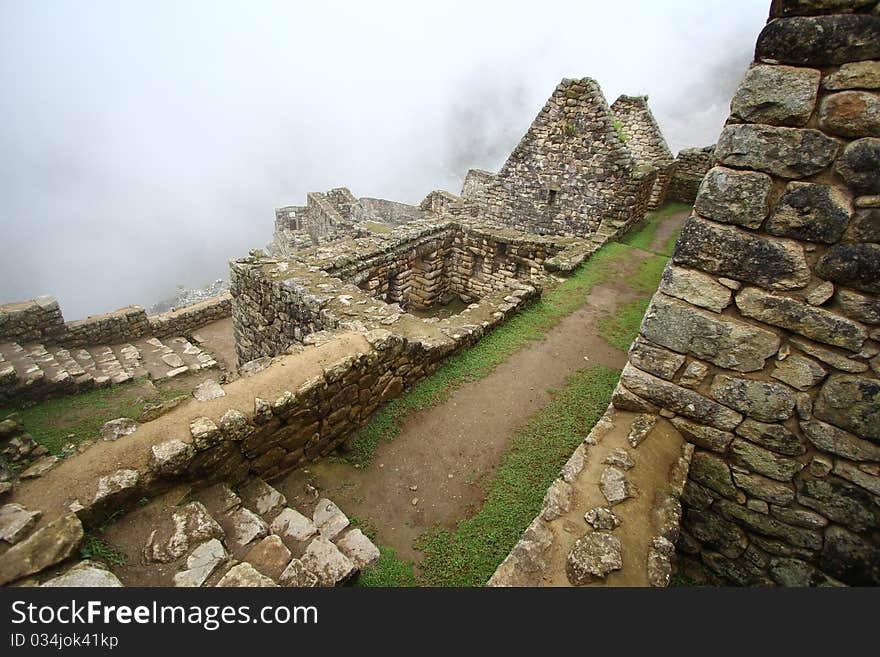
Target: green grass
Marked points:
476	363
621	329
388	571
469	554
51	422
642	234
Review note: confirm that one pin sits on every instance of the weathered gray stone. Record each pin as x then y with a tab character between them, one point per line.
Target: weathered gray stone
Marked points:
741	571
329	565
778	95
795	572
191	524
774	437
43	548
703	436
244	575
625	400
615	486
798	372
205	433
203	561
850	558
725	342
247	526
171	457
270	556
858	306
828	356
761	400
116	488
854	265
592	557
619	458
816	323
853	474
836	441
360	549
763	461
844	504
799	517
655	360
694	287
782	8
712	472
694	374
812	212
329	519
716	533
768	526
820	40
851	403
729	251
660	554
16	521
763	488
557	500
234	425
851	114
85	574
262	497
681	400
641	426
116	429
695	496
854	75
294	525
819	466
820	294
758	505
39	467
734	197
783	152
207	390
296	575
601	517
859	165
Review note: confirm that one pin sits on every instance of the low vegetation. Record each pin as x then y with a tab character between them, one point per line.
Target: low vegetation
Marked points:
388	571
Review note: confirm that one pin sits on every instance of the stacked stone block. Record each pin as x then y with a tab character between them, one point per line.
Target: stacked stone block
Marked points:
645	141
762	341
25	321
691	164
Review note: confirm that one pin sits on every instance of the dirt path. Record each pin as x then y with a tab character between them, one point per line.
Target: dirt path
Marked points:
665	230
446	451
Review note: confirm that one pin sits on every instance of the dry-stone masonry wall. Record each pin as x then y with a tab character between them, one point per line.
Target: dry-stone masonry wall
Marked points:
762	341
569	172
691	165
644	139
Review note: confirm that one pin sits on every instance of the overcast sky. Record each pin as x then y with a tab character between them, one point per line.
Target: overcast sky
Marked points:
144	144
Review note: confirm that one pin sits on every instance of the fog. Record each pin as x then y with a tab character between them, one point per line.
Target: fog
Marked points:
143	145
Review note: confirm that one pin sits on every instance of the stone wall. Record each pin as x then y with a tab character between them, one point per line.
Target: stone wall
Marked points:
27	321
644	139
569	172
121	325
691	164
476	182
761	344
182	321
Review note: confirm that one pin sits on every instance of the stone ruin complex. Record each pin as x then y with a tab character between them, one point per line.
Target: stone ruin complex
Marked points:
752	390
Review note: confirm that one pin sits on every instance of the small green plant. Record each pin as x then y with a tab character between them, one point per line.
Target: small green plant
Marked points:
388	571
144	501
97	548
570	129
620	133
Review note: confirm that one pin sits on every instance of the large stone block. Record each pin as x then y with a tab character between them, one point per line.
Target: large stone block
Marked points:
863	308
775	437
820	40
655	360
859	165
854	75
725	342
728	251
851	114
850	558
798	372
712	472
812	212
828	438
853	265
783	152
794	315
695	287
681	400
763	461
761	400
842	503
703	436
852	403
734	197
778	95
764	524
765	489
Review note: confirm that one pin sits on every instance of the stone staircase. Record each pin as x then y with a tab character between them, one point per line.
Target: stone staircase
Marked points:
35	370
217	537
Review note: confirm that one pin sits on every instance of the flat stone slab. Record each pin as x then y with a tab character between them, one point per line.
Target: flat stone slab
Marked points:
201	563
39	467
592	557
615	486
270	556
247	526
208	390
296	575
85	574
245	575
15	522
601	517
262	497
620	458
325	560
292	524
360	549
329	519
191	524
43	548
116	486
